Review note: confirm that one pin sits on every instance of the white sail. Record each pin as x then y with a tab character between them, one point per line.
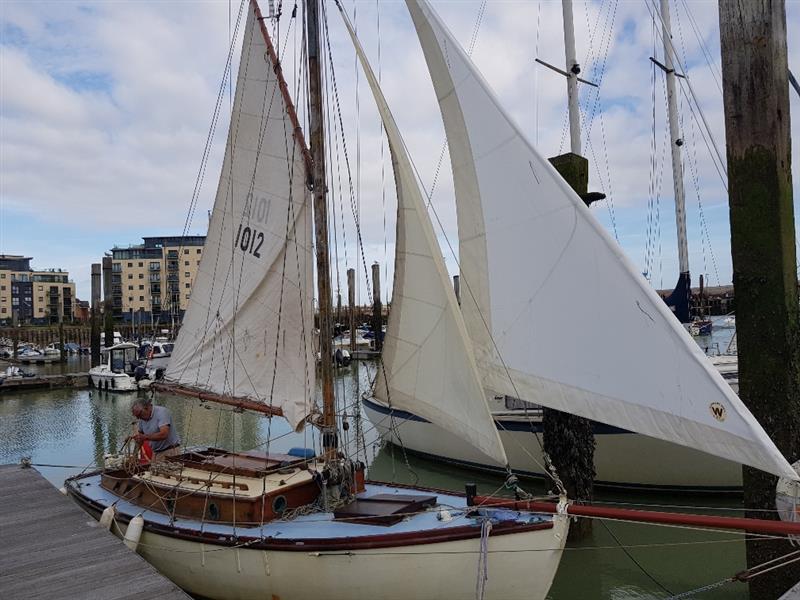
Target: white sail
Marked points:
428	367
557	313
248	328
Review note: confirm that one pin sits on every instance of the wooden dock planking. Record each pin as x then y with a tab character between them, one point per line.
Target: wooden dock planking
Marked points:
50	548
74	380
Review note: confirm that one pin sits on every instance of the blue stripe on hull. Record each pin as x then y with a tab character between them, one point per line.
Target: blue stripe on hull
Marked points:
531	426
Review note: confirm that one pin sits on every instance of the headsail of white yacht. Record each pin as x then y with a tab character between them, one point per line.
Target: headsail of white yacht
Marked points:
427	358
557	313
247	331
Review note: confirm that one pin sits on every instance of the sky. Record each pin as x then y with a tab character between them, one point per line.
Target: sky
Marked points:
105	108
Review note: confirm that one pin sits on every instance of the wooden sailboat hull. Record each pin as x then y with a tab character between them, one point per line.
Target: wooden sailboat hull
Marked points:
520	566
421	556
622	459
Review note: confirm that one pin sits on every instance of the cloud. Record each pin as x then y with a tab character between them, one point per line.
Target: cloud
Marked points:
105	108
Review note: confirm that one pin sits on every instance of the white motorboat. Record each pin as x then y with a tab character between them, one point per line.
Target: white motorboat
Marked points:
120	370
156	353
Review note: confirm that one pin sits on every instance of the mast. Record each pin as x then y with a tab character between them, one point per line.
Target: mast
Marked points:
572	78
317	140
675	144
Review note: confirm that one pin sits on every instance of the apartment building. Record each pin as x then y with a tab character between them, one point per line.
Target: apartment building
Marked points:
34	296
152	281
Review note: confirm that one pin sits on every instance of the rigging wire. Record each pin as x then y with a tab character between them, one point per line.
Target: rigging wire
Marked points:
705	236
711	143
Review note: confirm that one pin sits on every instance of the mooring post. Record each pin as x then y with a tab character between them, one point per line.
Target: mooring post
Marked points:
108	311
94	337
62	355
377	308
351	307
567	439
756	99
15	340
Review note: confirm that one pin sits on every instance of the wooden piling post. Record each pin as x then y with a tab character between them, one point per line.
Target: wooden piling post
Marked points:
377	308
94	342
108	300
62	354
568	439
756	99
351	307
15	340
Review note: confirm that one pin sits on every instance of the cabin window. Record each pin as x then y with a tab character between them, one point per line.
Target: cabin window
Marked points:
213	512
279	505
517	404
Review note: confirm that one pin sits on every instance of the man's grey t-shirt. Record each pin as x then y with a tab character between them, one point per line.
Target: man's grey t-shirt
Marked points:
160	417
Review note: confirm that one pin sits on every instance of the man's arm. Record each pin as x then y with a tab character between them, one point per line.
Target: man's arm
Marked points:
161	434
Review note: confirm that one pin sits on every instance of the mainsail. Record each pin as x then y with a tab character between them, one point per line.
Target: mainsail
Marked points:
247	332
428	366
535	264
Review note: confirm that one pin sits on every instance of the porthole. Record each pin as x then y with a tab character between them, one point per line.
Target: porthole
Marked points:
213	512
279	505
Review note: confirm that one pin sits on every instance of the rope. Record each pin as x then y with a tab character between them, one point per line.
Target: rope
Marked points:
483	559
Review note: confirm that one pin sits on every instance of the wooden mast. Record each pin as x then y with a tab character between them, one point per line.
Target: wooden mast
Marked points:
317	140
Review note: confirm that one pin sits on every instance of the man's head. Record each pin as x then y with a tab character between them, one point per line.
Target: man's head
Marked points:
142	409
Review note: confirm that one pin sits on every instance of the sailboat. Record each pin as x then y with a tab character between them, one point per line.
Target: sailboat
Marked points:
629	366
227	525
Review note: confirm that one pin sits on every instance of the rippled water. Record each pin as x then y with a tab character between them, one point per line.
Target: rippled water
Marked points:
72	429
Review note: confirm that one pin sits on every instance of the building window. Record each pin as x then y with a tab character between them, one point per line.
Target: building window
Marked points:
198	262
141	298
129	264
3	288
41	298
41	288
186	251
130	298
141	275
141	287
141	264
187	297
187	274
186	263
130	288
2	275
130	275
199	250
188	285
116	267
3	310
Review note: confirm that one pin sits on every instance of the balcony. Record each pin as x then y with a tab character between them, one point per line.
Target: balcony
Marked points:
155	277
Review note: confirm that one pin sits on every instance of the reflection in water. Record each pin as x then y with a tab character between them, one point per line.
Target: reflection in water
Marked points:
76	427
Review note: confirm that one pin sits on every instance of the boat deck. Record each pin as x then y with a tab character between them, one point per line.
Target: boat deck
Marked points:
52	549
324	526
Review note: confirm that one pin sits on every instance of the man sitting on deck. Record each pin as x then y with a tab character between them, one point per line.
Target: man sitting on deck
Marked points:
155	427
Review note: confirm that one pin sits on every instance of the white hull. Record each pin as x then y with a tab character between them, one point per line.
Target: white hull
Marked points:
622	459
103	379
521	566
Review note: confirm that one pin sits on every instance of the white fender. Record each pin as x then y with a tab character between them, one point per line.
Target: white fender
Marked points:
134	532
107	518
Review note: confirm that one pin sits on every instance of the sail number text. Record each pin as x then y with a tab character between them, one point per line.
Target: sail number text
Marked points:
249	240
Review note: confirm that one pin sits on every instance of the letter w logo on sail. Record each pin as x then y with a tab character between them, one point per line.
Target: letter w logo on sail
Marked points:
718	411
